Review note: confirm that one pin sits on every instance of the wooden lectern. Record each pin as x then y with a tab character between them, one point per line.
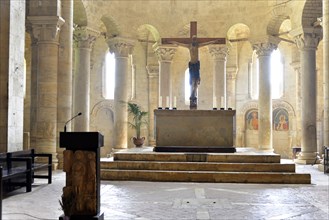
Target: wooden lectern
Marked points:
82	167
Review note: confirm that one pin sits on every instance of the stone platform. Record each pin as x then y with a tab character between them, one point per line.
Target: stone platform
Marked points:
244	166
190	149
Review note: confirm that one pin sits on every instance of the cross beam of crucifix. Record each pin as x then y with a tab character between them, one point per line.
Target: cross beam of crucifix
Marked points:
193	32
193	43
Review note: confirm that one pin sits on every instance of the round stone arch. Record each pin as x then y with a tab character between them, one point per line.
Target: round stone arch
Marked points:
102	120
146	30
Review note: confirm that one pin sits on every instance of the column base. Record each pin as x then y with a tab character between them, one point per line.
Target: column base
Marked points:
304	161
306	158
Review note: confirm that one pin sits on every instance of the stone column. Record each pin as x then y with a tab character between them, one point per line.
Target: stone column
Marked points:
153	90
122	48
11	74
264	50
230	88
46	31
34	89
84	37
64	80
325	26
307	43
296	66
219	53
165	55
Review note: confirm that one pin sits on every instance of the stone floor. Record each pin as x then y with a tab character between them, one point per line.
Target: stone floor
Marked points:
163	200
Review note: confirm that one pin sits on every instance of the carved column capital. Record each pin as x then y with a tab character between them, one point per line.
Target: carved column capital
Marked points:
85	37
307	41
165	53
120	46
218	52
231	72
265	45
264	49
46	28
152	70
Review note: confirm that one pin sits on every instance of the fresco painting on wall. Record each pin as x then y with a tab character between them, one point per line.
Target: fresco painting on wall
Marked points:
280	120
252	119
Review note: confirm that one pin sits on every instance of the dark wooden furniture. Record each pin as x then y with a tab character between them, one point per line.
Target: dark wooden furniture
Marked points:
85	141
15	172
38	163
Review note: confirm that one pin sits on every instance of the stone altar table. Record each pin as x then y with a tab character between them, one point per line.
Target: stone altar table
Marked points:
194	130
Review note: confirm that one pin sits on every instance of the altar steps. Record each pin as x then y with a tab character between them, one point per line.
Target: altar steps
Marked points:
187	167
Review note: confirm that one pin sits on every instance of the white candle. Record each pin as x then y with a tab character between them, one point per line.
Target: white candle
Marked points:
160	102
167	101
214	102
175	102
222	102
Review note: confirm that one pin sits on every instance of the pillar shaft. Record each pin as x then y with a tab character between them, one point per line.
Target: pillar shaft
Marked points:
219	53
325	26
307	43
84	37
64	85
296	66
264	50
122	48
46	31
165	55
230	88
153	80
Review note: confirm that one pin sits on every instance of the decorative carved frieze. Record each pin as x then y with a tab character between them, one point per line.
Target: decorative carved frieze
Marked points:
122	47
165	52
218	52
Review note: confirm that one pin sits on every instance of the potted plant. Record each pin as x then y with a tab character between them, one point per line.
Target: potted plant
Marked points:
138	120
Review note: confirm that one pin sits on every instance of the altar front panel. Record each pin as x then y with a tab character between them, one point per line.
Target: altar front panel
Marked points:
194	127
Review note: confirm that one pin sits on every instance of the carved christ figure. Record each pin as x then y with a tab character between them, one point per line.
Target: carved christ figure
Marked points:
194	65
193	44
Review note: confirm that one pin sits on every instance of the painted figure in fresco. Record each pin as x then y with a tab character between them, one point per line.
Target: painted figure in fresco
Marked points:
282	125
253	121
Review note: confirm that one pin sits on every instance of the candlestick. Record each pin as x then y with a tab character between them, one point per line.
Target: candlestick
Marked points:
175	102
167	101
222	102
160	102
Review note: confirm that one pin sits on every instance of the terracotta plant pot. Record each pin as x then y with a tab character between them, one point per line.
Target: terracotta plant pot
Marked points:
139	141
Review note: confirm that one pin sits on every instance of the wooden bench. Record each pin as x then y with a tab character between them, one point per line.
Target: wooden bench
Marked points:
16	172
37	163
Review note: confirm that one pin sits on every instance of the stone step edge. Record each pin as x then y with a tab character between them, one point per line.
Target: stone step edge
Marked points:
212	177
204	172
232	158
205	166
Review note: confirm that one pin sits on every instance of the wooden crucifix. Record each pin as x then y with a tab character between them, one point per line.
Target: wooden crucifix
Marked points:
193	44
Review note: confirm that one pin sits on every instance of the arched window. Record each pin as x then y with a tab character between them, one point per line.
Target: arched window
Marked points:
109	76
187	87
276	74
